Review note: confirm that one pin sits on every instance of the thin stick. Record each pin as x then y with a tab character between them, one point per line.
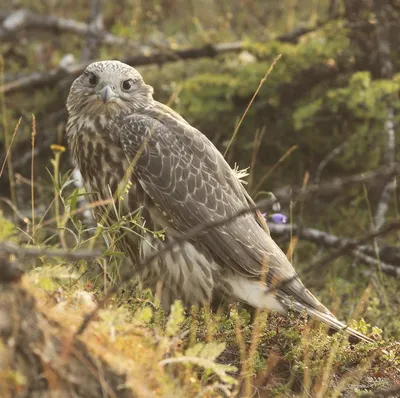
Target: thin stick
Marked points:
283	157
7	142
34	251
32	172
256	147
262	81
9	147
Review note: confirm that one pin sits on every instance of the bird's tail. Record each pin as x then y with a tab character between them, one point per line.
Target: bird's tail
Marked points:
325	317
256	294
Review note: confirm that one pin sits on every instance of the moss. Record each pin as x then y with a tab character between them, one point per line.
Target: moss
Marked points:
7	228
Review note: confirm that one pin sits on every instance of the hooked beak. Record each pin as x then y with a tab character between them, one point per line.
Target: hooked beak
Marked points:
107	94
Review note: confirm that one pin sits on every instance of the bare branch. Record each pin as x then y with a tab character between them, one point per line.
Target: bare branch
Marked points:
12	248
144	55
16	21
322	238
41	79
331	155
19	20
368	254
338	185
388	269
353	244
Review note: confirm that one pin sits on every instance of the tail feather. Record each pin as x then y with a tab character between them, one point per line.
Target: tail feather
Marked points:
326	318
254	293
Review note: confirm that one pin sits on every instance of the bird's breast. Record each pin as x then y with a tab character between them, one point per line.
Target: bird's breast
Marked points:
104	167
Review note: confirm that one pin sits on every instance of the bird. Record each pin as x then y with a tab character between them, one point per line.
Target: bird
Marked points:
143	163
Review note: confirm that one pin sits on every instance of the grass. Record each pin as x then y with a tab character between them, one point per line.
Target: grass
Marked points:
200	353
193	352
189	352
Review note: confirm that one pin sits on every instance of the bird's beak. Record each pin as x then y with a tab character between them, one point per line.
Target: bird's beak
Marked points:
107	94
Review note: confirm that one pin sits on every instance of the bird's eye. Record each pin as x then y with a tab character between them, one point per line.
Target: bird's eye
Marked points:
127	84
93	79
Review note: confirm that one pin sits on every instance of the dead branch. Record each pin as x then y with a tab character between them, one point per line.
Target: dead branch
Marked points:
388	257
144	55
16	21
295	34
353	245
12	248
43	79
35	347
337	185
377	264
330	156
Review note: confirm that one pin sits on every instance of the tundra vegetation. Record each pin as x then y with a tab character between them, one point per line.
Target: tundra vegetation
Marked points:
321	133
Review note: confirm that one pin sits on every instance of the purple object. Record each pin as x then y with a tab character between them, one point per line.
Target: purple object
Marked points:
278	218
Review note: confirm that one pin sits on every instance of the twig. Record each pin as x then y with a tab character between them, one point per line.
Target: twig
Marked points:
144	55
338	185
33	136
12	248
335	152
16	211
19	20
390	254
273	168
15	21
3	110
256	147
377	263
39	79
9	146
351	245
262	81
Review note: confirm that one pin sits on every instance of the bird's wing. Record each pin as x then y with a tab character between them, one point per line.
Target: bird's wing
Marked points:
190	183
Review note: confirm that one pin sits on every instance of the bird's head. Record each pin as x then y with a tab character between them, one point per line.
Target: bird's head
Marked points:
110	87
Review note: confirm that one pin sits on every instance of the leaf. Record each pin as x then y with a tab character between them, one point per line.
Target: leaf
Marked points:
53	180
204	355
66	183
144	315
209	351
175	319
73	200
108	253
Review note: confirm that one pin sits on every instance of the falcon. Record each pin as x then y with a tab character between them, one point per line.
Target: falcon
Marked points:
157	172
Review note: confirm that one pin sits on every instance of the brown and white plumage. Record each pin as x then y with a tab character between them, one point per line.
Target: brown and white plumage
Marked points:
179	180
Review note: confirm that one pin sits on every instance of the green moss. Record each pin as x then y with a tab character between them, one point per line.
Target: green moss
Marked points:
7	228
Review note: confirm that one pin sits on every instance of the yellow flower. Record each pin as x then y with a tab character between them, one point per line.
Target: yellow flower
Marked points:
57	148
